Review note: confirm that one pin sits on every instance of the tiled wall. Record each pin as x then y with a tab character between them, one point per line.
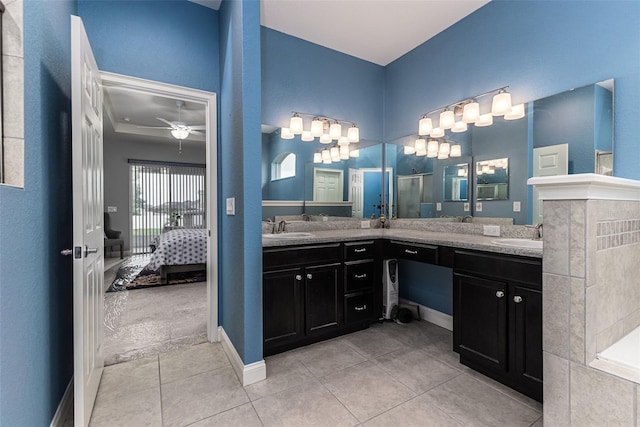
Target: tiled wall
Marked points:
13	92
591	299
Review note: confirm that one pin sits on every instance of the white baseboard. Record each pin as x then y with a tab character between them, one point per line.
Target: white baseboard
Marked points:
248	374
64	407
434	316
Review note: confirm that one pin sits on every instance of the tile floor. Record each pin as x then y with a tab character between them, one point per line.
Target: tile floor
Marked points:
389	374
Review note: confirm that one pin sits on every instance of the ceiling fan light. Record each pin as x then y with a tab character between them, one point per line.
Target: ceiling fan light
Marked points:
471	112
484	120
306	136
517	112
425	126
447	119
353	134
335	130
295	124
501	104
317	127
180	133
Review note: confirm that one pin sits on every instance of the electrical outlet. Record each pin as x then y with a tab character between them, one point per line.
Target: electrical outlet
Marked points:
516	206
491	230
365	224
438	206
478	206
465	207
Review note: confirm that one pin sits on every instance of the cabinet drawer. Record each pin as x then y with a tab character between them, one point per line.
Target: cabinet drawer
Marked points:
359	250
358	307
273	258
524	270
358	275
414	251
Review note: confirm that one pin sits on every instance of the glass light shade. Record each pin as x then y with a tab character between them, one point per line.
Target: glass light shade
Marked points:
471	112
461	172
484	120
444	149
285	133
447	119
437	132
182	133
325	138
335	154
353	134
408	149
354	153
517	112
425	126
501	104
317	128
459	127
420	144
343	141
327	161
485	168
421	153
335	131
491	170
344	152
431	154
432	146
326	155
443	156
456	151
295	125
317	158
306	136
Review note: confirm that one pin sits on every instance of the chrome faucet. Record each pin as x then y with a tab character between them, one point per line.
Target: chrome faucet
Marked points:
467	218
282	225
537	235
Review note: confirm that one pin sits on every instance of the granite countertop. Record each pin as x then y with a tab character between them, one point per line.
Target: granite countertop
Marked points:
463	241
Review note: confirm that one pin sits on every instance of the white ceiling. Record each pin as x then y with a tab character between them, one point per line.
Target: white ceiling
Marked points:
379	31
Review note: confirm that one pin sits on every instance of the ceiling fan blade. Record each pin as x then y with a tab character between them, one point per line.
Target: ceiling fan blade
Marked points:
167	122
154	127
198	127
195	132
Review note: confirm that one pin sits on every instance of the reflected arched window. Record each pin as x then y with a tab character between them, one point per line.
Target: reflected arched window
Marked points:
283	166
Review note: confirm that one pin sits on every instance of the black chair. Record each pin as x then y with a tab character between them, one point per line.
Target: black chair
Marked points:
112	237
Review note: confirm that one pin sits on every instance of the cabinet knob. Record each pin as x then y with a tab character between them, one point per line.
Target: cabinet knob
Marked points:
298	277
309	276
500	294
517	299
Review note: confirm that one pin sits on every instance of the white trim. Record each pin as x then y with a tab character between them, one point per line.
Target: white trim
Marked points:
248	374
433	316
586	186
328	203
65	407
279	203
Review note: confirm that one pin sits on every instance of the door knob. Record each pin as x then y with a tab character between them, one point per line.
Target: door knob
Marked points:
66	252
500	294
88	250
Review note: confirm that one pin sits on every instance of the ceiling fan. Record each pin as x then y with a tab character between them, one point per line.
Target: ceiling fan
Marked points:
179	129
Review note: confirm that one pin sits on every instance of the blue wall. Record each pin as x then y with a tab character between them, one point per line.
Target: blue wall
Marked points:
36	342
240	290
539	48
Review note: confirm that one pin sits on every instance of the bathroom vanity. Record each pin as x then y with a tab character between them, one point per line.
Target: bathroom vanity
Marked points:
320	287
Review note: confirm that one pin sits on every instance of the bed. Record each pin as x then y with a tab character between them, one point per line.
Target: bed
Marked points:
180	250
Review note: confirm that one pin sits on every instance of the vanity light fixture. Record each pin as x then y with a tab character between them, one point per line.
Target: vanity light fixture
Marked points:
433	148
325	139
458	115
295	124
285	133
321	126
306	136
317	157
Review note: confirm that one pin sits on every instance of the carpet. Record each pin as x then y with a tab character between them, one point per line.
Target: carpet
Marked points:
134	273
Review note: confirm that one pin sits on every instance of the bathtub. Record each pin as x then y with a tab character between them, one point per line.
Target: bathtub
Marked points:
622	358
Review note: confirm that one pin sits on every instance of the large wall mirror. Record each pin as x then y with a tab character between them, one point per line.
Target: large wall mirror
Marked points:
566	133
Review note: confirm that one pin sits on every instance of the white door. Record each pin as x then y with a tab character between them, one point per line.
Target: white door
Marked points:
355	192
88	232
327	185
548	161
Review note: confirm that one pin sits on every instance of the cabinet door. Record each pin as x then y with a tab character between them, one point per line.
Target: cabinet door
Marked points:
282	305
480	321
323	298
526	324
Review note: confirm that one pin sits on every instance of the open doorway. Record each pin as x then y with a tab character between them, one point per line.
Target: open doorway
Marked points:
160	195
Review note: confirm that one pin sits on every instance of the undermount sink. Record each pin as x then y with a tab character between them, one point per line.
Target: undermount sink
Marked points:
519	243
294	235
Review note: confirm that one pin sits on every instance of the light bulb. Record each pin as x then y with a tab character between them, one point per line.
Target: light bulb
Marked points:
353	134
335	130
317	127
409	149
459	127
484	120
285	133
182	133
425	126
501	104
471	112
456	151
447	119
306	136
317	157
325	139
295	124
517	112
437	132
354	153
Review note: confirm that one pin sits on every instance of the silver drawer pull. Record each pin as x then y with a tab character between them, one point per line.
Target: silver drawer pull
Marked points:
364	307
407	251
517	299
358	251
298	277
360	276
499	294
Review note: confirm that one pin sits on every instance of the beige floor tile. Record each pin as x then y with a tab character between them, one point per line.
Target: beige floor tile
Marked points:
371	343
190	361
128	410
283	371
241	416
328	357
416	369
473	403
366	390
130	377
308	405
416	412
198	397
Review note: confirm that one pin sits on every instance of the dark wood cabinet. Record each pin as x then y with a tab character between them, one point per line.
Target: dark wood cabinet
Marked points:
323	298
282	306
497	320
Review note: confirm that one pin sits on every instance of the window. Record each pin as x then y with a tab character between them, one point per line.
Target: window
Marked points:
283	166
